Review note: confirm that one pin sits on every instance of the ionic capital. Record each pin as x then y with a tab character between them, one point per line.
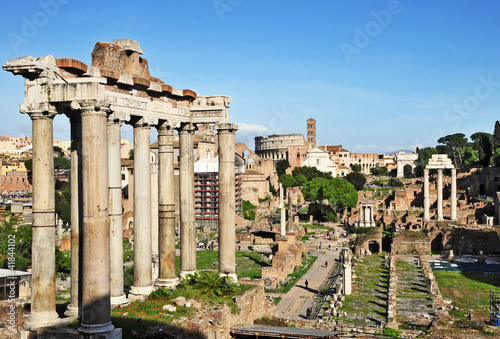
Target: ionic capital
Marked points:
186	127
146	122
39	110
165	126
226	126
90	107
118	118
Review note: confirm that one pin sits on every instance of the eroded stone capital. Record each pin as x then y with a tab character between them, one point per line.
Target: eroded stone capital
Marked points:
39	110
118	118
187	127
226	126
90	106
166	127
146	122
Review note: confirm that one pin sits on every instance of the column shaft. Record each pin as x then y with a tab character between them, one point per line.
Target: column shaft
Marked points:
143	279
74	307
453	194
166	206
43	290
227	204
115	212
426	194
289	225
96	305
283	213
186	200
440	194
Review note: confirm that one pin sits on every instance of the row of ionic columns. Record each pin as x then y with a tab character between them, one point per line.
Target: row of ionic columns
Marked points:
96	237
439	185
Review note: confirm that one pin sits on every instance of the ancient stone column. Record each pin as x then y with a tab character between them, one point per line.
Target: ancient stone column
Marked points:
115	210
186	200
289	225
440	194
227	203
283	213
453	194
346	256
96	305
143	278
154	217
426	194
43	289
74	307
166	206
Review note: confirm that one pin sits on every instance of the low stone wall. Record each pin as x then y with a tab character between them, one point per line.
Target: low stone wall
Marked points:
440	307
216	322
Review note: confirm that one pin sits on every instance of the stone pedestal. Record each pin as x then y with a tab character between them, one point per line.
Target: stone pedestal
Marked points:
43	291
227	203
186	200
166	206
143	279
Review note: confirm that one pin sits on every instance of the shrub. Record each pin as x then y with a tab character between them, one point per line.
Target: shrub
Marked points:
160	293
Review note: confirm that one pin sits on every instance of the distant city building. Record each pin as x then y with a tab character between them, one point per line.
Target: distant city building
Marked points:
276	146
206	190
311	132
320	159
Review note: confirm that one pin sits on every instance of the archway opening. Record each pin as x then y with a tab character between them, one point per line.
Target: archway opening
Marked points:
373	246
437	244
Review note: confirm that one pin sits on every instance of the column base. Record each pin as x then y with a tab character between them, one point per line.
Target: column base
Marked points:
169	282
72	311
184	274
106	330
137	293
118	301
232	276
43	320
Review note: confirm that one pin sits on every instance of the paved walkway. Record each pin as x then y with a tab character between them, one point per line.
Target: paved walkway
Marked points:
294	304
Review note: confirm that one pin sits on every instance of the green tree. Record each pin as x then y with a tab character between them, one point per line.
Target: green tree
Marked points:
424	154
59	151
63	261
483	144
496	136
310	173
357	179
248	210
300	179
454	143
395	182
281	166
60	162
131	154
287	180
379	170
356	168
339	192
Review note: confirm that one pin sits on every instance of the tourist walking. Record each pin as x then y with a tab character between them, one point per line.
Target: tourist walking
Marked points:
307	283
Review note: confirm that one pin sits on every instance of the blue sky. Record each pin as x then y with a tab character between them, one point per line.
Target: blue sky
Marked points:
378	76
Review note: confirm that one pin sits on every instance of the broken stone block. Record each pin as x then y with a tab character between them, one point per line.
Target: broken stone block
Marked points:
180	301
169	308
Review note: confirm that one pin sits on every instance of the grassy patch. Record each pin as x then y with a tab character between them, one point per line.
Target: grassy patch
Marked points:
460	286
316	226
248	264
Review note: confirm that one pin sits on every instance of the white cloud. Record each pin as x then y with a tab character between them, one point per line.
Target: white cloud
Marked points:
252	129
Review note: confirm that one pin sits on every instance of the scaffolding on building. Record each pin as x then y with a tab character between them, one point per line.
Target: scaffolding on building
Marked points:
206	195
